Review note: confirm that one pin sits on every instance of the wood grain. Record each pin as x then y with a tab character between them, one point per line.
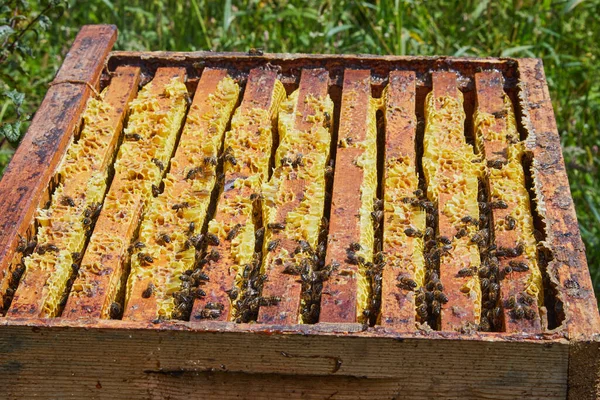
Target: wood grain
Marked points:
26	180
339	301
167	362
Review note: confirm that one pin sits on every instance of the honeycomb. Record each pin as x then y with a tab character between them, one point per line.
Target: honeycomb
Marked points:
323	199
166	228
149	139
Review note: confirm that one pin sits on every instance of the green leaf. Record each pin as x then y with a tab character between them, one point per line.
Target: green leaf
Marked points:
517	49
11	131
570	5
15	96
5	31
44	22
480	9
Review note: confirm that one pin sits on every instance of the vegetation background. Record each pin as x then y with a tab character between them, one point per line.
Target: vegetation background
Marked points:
564	33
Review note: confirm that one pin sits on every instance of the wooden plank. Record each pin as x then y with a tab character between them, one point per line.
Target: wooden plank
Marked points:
568	269
26	180
403	253
295	196
84	174
35	363
165	229
452	184
497	136
155	118
345	294
249	142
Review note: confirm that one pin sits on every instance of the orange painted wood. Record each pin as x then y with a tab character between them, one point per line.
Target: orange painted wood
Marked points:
339	297
25	182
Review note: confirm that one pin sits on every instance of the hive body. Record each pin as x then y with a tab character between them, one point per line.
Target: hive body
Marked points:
348	226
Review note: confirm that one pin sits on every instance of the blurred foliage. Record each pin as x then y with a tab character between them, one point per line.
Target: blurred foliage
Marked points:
565	34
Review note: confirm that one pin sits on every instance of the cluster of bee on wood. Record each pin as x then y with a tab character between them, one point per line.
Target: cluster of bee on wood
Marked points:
374	270
521	307
90	215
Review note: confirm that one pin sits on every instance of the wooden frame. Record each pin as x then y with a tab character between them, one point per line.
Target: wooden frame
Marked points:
53	358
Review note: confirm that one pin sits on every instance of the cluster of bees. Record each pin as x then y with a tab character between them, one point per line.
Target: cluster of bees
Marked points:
374	270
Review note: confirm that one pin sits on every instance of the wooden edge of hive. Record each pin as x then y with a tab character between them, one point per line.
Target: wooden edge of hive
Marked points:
26	181
568	270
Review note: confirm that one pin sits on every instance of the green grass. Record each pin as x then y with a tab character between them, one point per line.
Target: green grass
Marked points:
565	34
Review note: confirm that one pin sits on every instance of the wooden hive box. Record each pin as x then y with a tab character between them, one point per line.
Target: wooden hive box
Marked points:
223	225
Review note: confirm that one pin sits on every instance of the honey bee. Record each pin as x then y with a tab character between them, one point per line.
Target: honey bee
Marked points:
496	164
377	216
484	325
115	310
145	259
355	246
518	312
163	238
209	314
464	272
298	161
461	233
255	52
511	303
191	228
426	205
444	240
155	190
47	248
214	306
180	206
197	293
232	293
418	193
428	233
133	136
529	313
273	244
67	201
499	204
192	173
233	232
210	161
212	239
148	291
413	201
469	220
480	237
406	283
229	157
213	256
158	163
500	114
269	301
436	307
352	258
276	226
411	232
510	223
518	266
440	296
526	299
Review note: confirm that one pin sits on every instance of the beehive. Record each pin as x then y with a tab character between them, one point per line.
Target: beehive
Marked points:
243	225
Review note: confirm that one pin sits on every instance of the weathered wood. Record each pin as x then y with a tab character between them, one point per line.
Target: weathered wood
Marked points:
26	180
45	279
101	274
403	254
568	268
340	297
494	126
35	362
249	142
309	137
